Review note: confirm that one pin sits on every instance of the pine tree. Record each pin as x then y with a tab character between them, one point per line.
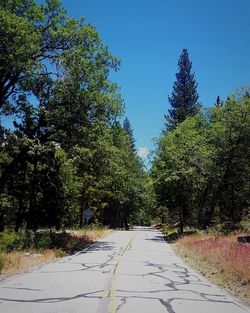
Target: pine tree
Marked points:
184	97
218	102
128	129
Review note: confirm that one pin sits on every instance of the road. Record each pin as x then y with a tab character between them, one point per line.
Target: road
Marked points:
126	272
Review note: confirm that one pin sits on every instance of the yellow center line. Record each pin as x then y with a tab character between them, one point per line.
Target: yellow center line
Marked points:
111	293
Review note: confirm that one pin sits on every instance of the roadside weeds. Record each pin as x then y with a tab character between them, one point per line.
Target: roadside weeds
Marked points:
14	262
220	259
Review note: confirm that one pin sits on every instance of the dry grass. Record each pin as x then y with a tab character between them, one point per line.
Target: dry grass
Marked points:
18	261
91	234
221	259
15	262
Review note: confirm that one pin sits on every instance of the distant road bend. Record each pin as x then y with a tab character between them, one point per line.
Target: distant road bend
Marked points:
126	272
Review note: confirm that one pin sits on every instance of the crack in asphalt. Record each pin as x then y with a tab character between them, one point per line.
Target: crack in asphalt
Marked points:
169	284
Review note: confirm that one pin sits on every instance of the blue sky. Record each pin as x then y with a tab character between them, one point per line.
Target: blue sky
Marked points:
148	36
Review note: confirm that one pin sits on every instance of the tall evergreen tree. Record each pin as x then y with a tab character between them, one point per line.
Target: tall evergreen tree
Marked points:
184	97
128	129
218	102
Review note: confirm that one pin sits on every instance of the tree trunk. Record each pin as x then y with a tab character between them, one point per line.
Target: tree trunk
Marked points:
32	222
126	223
19	217
81	217
82	206
181	220
1	220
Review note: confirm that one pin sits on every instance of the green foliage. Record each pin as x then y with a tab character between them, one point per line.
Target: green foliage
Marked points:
201	168
225	228
184	97
66	153
29	35
12	241
128	129
59	253
229	137
179	170
41	240
245	225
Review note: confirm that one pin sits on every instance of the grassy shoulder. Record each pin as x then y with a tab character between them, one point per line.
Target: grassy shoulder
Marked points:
20	251
221	259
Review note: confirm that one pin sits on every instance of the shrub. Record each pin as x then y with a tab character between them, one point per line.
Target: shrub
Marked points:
245	226
59	240
43	240
28	238
75	243
59	253
11	241
225	229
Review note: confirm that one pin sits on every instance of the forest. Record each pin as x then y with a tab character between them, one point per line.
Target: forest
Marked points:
201	167
66	144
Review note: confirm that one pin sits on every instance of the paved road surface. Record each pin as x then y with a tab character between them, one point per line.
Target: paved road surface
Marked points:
126	272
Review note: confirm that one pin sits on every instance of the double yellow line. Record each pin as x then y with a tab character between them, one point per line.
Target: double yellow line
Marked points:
111	293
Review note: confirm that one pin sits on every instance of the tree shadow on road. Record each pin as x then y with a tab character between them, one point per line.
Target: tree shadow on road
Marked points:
171	237
98	246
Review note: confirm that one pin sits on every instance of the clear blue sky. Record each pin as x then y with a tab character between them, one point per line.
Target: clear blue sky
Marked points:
148	37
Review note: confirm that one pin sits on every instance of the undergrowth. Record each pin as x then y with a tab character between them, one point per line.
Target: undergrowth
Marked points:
32	248
221	258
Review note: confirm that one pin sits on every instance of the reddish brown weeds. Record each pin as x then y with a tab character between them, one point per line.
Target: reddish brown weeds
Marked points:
221	258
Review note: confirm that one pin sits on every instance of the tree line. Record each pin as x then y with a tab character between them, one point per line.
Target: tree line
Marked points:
63	147
201	167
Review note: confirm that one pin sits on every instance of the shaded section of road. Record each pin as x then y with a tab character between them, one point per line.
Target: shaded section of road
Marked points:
128	271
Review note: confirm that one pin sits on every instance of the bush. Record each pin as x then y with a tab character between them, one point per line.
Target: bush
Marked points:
245	226
28	238
59	253
9	240
43	240
225	229
59	240
12	241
